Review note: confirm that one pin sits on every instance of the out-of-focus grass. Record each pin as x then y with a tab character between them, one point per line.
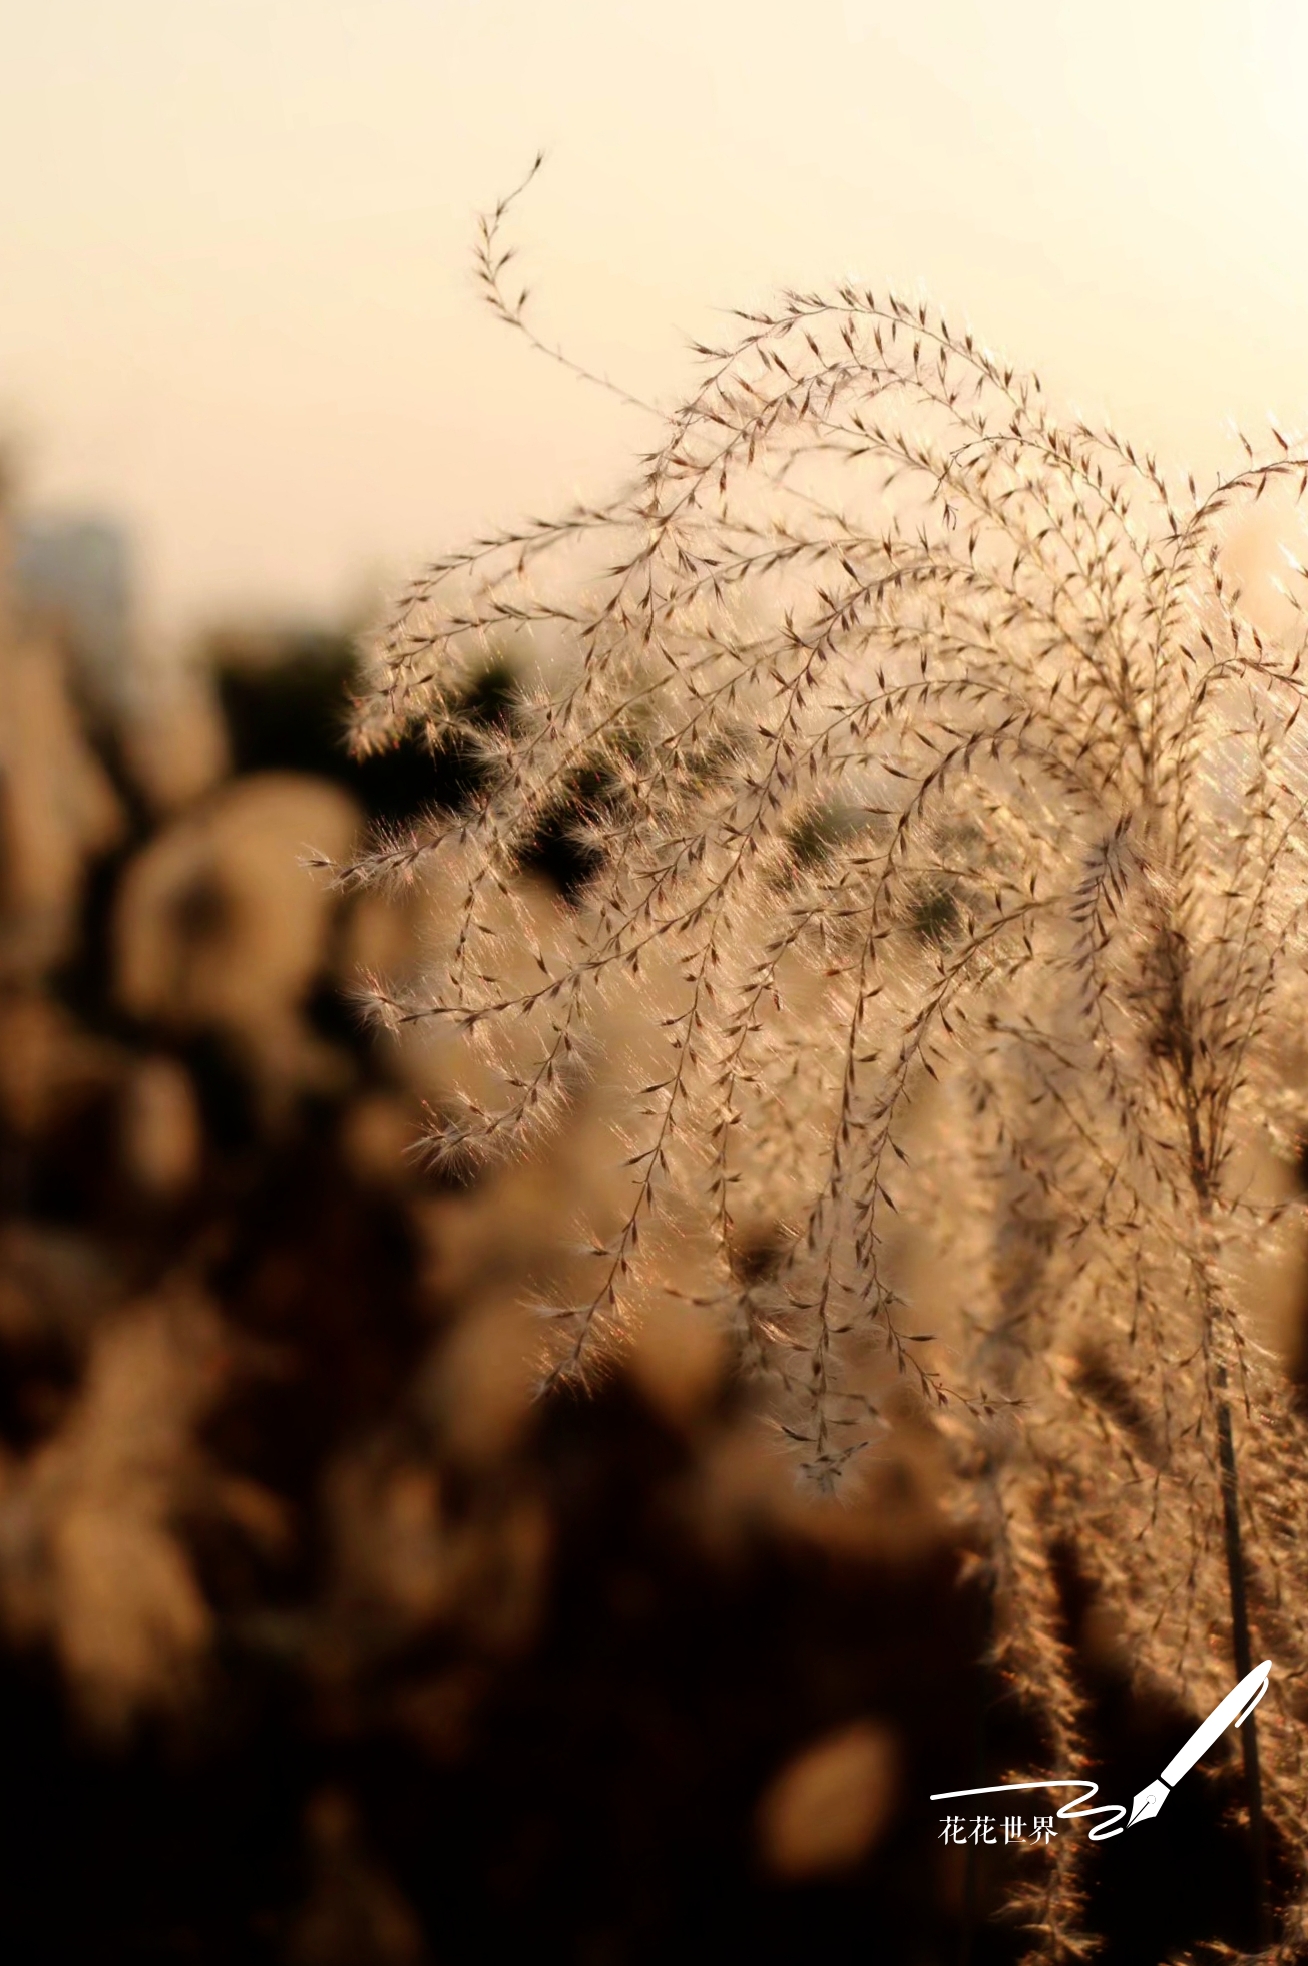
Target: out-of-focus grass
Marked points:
323	1641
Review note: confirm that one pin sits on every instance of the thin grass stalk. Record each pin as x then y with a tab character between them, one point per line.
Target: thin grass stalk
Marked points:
1240	1645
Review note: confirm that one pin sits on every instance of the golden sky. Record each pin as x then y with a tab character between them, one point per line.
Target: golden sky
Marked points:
234	259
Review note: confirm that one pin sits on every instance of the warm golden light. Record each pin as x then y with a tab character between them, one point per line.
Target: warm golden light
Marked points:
237	303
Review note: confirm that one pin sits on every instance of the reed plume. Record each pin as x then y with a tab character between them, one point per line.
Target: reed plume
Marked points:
936	812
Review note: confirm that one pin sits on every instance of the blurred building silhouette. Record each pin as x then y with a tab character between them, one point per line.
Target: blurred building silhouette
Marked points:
75	574
58	809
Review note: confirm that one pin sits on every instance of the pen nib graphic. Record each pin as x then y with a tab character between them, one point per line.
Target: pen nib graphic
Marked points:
1233	1711
1148	1802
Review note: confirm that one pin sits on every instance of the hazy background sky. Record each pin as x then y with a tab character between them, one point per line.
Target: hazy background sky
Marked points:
235	271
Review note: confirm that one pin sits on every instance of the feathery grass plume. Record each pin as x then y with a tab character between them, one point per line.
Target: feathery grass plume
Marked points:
941	813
